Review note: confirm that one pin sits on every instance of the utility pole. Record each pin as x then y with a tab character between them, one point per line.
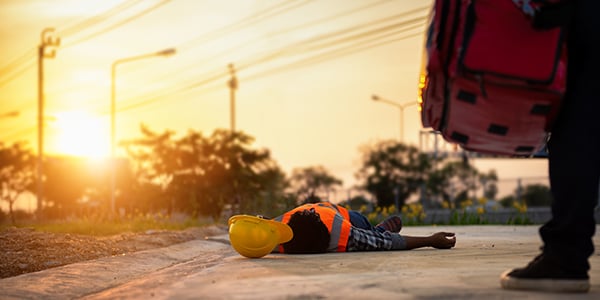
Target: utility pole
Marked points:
233	85
46	49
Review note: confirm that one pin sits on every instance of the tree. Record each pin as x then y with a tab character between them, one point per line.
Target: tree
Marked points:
17	165
310	182
271	200
393	171
239	175
507	201
489	184
358	203
537	195
456	179
203	175
156	161
66	181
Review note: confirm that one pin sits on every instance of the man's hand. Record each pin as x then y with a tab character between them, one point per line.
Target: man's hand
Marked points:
443	240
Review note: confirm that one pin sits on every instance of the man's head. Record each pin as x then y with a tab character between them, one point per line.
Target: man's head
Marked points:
310	233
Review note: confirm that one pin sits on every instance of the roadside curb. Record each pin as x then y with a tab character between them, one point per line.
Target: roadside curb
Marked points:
89	277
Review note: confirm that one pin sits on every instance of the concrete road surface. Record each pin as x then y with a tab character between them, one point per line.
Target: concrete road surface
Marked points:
211	269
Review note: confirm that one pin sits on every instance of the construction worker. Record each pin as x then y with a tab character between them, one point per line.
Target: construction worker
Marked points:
326	227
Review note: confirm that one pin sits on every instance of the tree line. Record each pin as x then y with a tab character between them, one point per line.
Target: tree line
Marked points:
212	175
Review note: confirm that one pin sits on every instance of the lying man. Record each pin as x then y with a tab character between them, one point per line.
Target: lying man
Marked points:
326	227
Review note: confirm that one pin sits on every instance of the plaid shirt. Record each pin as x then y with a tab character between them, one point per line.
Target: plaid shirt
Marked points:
373	240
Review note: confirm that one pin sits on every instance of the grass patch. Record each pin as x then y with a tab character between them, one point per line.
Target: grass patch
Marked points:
466	218
106	227
519	220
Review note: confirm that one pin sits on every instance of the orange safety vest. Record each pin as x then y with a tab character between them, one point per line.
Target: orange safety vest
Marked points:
336	218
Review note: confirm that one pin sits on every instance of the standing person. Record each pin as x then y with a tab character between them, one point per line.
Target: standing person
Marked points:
574	168
326	227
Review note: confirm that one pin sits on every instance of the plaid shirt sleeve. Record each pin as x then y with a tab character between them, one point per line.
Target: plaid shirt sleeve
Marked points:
372	240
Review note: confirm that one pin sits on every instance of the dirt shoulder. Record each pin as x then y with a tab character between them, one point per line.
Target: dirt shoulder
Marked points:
25	250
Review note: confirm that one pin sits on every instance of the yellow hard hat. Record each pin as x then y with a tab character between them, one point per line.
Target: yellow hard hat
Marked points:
256	237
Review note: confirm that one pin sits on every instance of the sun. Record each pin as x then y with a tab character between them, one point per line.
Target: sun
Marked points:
81	134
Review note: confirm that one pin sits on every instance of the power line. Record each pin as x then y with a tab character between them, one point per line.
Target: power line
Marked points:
333	54
254	18
359	46
328	18
322	39
29	55
276	33
250	20
269	12
147	101
25	66
97	19
16	72
320	42
15	63
277	9
314	44
118	24
29	60
309	41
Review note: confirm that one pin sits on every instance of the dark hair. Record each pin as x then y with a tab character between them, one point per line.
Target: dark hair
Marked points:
310	233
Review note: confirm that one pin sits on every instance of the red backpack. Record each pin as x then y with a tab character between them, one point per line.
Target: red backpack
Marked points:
492	83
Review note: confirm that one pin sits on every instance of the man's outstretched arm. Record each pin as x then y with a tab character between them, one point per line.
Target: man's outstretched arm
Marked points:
373	240
439	240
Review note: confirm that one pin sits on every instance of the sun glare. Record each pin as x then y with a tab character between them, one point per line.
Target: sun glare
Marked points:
81	134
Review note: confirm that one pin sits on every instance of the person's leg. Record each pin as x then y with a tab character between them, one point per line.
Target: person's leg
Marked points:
391	224
574	169
575	149
360	221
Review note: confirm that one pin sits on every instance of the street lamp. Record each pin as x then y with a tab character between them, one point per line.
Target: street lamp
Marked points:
400	106
165	52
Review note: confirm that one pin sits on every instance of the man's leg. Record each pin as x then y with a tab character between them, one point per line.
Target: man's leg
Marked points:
391	224
574	169
360	221
575	149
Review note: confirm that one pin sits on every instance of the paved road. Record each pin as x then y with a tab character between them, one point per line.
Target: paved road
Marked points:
211	269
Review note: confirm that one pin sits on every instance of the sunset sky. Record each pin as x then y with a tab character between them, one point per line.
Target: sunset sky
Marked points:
306	73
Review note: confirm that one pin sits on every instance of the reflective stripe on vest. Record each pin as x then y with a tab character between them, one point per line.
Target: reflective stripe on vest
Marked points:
336	218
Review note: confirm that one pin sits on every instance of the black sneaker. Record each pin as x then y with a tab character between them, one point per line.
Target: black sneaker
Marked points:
543	275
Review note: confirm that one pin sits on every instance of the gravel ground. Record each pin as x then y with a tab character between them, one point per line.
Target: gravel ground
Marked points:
24	250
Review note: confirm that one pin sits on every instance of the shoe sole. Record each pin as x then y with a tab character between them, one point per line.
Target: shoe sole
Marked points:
545	285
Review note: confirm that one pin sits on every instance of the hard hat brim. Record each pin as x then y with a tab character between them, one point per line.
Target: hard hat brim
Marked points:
284	230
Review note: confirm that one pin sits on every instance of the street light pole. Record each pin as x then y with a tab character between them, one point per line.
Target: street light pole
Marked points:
400	106
113	104
46	49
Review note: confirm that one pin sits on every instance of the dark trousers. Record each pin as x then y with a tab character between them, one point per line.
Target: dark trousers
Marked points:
360	221
574	147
